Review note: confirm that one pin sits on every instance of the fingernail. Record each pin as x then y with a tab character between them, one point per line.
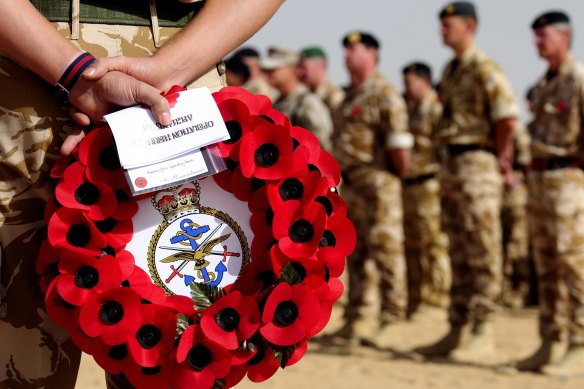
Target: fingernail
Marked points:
89	71
165	117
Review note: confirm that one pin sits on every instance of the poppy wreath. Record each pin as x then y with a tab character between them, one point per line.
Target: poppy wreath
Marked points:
216	337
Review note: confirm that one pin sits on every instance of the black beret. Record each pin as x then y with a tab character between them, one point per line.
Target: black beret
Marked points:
247	52
361	37
420	69
552	17
459	8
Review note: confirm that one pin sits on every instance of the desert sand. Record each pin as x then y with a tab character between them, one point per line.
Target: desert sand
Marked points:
368	368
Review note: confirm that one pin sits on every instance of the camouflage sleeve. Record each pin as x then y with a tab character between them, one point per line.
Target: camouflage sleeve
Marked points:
317	118
500	96
394	122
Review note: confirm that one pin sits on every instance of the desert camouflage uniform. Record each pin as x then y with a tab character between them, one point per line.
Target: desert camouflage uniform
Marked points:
371	120
516	258
307	110
260	86
475	95
331	94
556	202
35	352
426	245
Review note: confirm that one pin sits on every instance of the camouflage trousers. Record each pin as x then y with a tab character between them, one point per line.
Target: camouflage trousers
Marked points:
373	199
556	224
35	352
516	258
426	246
472	191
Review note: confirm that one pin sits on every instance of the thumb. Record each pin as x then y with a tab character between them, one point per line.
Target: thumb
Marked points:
101	66
150	96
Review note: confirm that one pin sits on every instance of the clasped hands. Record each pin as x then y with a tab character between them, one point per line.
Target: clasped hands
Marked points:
110	83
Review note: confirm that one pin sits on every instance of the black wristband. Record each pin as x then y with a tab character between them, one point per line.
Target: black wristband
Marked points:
63	87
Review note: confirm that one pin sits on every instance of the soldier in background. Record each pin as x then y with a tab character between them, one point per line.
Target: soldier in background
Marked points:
477	124
312	71
236	71
556	200
426	245
516	258
372	143
257	83
303	108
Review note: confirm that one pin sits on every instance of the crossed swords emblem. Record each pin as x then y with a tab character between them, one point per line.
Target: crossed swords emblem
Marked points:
197	253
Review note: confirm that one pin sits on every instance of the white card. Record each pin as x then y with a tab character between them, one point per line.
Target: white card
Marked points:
141	141
167	173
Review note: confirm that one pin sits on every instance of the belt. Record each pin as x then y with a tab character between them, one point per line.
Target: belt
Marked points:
457	149
555	163
418	180
171	13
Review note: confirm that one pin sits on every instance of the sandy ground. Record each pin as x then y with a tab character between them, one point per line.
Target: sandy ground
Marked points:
349	368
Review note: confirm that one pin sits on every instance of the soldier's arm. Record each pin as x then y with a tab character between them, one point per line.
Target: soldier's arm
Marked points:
29	39
318	120
221	26
399	141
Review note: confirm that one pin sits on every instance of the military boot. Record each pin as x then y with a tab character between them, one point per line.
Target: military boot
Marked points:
549	352
456	336
354	332
572	365
479	348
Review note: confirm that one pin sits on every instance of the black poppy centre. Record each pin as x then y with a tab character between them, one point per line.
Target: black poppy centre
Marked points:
111	312
286	313
86	277
301	231
87	194
148	336
235	131
228	319
291	189
119	352
328	239
78	235
267	155
199	357
108	158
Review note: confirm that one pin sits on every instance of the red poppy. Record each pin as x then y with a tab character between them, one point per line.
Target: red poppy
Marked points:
47	264
113	359
127	204
303	188
117	233
335	264
52	205
301	136
561	106
259	200
99	154
263	365
236	115
356	111
182	304
334	204
152	342
83	276
256	278
257	104
231	320
200	360
240	186
113	315
70	229
173	94
266	152
96	199
328	167
340	235
126	263
60	165
140	282
311	272
274	116
157	377
263	237
61	312
235	376
290	313
223	179
299	228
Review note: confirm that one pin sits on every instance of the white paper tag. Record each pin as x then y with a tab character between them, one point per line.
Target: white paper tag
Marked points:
167	173
141	141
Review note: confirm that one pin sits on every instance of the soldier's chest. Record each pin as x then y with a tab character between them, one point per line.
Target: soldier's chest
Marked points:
361	108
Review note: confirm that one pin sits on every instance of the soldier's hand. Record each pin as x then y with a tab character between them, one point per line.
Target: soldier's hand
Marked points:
141	68
92	99
506	170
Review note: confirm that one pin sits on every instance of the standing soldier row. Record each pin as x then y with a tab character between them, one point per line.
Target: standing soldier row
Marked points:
426	246
556	200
